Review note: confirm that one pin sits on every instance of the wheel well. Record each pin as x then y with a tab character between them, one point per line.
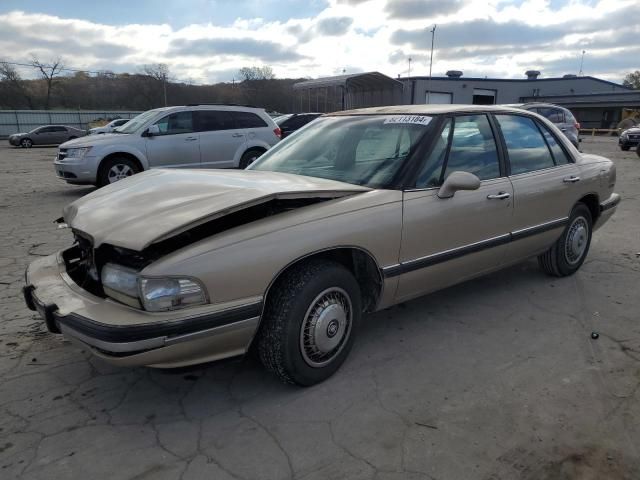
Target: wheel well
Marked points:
360	263
130	156
254	149
593	203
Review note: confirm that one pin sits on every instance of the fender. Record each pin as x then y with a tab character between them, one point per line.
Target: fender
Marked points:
107	150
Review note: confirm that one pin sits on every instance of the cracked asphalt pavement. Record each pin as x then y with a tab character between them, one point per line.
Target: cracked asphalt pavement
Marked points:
494	379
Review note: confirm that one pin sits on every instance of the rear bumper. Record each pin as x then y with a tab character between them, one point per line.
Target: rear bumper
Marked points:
128	337
607	209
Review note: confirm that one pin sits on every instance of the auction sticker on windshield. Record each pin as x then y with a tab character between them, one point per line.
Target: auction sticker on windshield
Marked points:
414	119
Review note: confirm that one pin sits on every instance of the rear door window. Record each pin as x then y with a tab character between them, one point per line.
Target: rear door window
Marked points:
559	155
555	115
526	146
247	120
213	120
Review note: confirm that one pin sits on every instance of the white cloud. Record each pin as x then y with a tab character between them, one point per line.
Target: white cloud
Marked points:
489	38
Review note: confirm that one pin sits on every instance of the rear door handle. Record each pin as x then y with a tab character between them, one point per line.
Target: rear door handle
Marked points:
236	135
190	139
571	179
499	196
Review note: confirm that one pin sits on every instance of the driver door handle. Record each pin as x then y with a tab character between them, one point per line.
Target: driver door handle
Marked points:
190	139
571	179
236	135
499	196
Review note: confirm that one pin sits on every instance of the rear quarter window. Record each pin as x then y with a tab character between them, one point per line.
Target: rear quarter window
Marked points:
247	120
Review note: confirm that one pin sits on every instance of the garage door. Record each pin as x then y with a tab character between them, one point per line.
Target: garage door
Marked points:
484	97
438	97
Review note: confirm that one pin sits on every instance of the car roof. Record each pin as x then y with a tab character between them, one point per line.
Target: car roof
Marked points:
428	110
536	104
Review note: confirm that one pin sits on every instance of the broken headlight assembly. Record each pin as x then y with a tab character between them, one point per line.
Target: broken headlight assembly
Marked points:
153	294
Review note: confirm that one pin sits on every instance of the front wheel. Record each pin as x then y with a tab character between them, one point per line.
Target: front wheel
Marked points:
624	148
26	143
310	322
566	256
115	169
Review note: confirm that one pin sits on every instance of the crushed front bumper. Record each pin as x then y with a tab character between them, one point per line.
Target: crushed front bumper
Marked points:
130	337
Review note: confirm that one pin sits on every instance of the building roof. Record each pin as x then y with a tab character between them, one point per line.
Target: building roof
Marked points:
356	81
520	80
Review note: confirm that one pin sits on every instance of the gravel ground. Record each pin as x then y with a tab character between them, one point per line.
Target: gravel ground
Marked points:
497	378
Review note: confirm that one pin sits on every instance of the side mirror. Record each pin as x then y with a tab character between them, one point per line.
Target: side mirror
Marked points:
151	131
458	181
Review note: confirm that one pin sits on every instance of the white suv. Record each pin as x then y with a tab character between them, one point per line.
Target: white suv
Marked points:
192	136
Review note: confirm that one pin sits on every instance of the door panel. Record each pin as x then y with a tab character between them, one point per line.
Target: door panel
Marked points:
218	149
544	185
445	241
174	151
177	145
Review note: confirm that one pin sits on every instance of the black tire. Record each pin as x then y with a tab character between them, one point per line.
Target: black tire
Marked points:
566	256
249	157
106	171
26	143
282	347
638	150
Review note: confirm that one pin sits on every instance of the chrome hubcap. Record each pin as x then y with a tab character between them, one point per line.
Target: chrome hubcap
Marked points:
576	242
119	171
326	327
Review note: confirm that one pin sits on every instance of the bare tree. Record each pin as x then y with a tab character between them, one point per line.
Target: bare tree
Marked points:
160	73
16	85
49	72
632	80
256	73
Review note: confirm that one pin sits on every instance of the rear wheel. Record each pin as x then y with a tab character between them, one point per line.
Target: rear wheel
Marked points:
566	256
310	322
115	169
249	157
26	143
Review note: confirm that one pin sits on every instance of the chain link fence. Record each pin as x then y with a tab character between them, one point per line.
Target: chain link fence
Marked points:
16	121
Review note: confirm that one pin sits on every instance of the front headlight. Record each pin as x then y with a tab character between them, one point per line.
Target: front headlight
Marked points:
121	284
159	294
77	152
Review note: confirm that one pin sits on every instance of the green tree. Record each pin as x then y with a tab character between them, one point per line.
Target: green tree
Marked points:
632	80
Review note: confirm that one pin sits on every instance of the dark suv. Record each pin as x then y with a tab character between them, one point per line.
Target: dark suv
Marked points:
562	117
629	138
293	121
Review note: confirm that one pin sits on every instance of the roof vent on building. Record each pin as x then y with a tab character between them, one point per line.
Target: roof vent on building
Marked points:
532	74
570	75
454	73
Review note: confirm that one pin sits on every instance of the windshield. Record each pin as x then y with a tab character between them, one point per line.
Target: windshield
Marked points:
361	150
136	122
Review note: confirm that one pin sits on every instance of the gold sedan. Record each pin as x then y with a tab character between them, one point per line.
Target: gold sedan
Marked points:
355	212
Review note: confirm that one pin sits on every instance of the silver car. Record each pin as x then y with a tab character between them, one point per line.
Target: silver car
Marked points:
192	136
561	117
46	135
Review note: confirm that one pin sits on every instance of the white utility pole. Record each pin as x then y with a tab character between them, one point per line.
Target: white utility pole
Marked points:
433	36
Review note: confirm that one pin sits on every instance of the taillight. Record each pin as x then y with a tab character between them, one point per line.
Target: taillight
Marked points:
278	132
577	125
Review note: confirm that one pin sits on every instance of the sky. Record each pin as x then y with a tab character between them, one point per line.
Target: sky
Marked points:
207	41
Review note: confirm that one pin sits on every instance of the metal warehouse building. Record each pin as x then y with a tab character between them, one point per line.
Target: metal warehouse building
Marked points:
596	103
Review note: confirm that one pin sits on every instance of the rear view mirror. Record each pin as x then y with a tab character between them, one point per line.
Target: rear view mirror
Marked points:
458	181
151	131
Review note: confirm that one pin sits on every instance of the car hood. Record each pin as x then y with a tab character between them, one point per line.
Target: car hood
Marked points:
633	130
22	134
90	140
159	204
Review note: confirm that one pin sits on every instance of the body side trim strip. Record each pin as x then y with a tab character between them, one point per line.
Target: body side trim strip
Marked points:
446	255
